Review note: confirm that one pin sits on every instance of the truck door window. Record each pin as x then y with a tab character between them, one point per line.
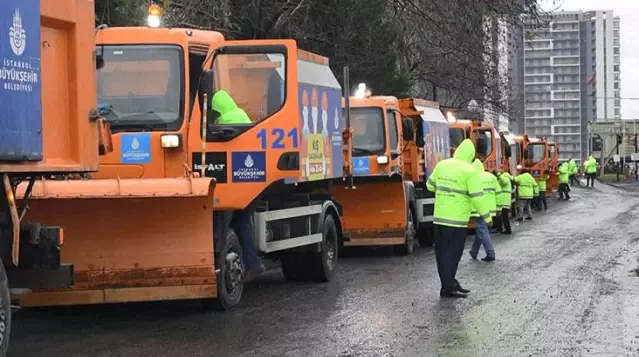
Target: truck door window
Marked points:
487	136
256	82
392	129
456	137
141	87
368	131
551	152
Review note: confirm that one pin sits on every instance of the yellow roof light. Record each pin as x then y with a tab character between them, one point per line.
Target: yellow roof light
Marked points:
154	16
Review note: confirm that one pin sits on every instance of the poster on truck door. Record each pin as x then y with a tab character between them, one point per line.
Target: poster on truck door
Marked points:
436	138
20	92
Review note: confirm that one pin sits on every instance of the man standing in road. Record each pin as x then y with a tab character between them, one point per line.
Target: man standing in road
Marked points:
525	192
590	167
564	174
542	203
230	114
504	202
572	171
458	191
482	234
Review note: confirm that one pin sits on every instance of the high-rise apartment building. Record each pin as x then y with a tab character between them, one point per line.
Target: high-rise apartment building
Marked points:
570	65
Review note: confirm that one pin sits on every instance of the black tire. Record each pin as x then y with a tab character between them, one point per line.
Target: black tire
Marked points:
230	263
408	247
294	266
5	312
324	264
425	235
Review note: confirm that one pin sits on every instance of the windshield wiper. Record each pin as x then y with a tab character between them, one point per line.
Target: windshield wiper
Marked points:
362	151
136	115
137	124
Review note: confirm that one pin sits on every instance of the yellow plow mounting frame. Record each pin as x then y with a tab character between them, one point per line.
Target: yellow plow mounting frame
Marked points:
374	213
129	240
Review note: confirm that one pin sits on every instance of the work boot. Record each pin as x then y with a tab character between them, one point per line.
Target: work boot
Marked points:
452	294
529	218
462	290
253	273
474	256
488	259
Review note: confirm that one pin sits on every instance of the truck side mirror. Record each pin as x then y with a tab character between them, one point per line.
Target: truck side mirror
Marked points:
408	134
509	151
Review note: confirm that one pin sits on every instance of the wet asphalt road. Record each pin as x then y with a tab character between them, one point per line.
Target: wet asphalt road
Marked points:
560	287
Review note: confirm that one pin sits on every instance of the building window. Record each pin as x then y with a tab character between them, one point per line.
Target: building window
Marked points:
615	50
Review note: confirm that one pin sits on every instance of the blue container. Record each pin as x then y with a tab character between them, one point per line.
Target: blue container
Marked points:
20	89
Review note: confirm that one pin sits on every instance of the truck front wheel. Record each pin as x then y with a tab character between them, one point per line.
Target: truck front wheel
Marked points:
5	312
230	266
324	263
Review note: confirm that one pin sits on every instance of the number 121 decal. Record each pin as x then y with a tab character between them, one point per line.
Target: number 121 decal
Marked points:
276	139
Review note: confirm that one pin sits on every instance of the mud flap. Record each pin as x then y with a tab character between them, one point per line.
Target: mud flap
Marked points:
374	213
129	240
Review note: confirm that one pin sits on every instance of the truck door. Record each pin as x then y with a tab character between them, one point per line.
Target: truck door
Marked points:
484	145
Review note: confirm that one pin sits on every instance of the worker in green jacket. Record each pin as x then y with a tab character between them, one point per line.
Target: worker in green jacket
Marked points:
458	191
525	192
482	234
504	202
230	113
590	168
573	171
542	203
564	178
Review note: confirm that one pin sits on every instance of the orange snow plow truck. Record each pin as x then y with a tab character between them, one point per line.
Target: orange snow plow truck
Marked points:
144	227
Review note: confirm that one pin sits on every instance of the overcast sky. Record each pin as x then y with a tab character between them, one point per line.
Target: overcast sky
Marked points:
628	11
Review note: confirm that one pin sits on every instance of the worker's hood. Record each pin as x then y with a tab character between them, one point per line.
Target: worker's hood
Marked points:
591	158
465	151
223	103
477	164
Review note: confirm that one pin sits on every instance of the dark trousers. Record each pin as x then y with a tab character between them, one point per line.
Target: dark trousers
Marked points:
449	248
241	223
573	180
590	179
563	191
502	221
542	203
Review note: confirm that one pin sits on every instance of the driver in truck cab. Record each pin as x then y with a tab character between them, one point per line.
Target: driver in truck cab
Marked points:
230	114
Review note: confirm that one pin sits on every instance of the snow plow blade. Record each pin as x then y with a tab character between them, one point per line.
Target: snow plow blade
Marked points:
129	240
370	219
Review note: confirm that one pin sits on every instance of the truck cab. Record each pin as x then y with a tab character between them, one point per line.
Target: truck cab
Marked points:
534	155
485	137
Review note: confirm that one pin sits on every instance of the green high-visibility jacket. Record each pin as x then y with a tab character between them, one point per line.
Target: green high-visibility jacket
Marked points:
590	166
230	113
542	182
525	186
505	198
491	189
564	173
572	167
457	189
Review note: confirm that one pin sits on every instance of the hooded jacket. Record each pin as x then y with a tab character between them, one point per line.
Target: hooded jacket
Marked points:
564	173
491	188
230	113
572	167
458	189
590	166
543	180
506	183
525	186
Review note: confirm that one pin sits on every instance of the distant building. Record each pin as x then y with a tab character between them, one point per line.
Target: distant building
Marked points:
567	75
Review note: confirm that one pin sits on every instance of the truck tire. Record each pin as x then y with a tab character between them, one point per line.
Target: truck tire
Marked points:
294	266
425	235
230	263
5	312
409	243
324	264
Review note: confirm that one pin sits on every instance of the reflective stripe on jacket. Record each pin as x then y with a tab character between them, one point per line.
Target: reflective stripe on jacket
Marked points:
457	188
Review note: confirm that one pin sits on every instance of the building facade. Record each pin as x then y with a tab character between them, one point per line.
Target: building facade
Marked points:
570	65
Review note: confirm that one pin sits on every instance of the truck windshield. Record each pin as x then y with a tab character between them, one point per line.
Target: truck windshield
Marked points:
456	137
141	87
368	131
536	153
487	136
